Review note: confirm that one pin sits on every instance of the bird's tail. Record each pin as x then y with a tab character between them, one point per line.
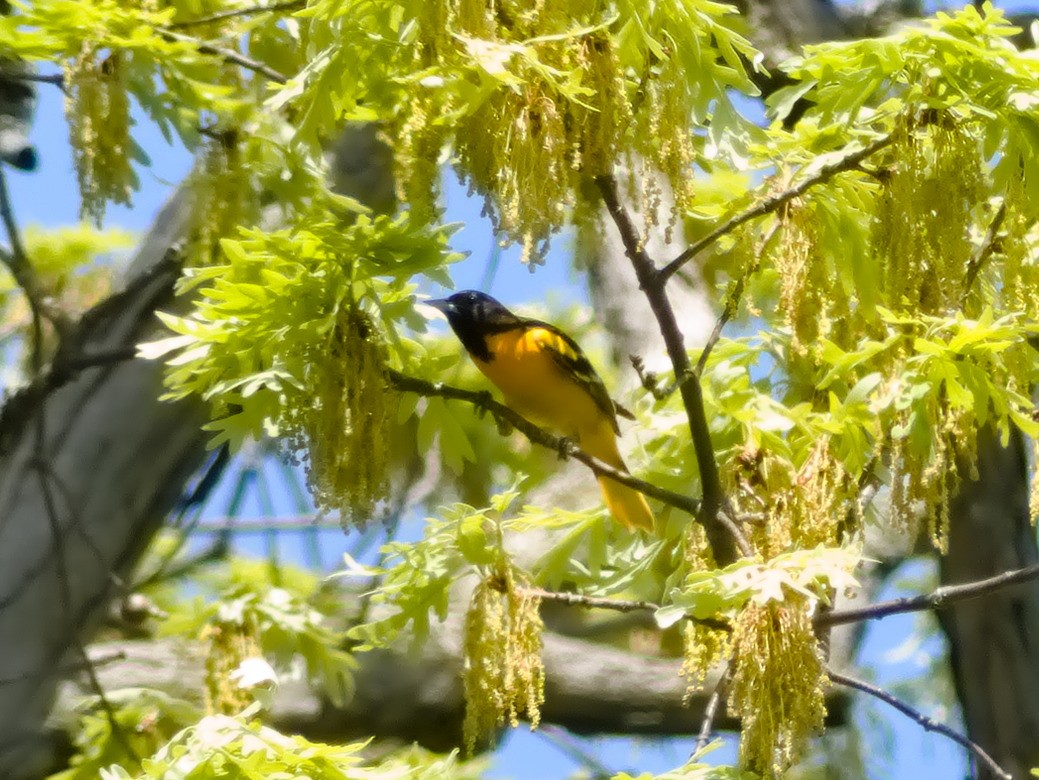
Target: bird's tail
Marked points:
627	505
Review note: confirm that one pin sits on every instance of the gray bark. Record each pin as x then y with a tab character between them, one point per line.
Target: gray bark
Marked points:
590	688
994	641
90	464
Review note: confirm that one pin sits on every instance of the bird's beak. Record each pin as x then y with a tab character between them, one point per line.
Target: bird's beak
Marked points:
440	304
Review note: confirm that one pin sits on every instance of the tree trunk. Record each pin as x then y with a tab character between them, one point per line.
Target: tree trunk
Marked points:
993	641
91	462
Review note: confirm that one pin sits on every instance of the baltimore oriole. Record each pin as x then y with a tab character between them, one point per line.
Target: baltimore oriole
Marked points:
546	378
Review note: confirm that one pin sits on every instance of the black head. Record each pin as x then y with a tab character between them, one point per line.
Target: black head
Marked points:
472	315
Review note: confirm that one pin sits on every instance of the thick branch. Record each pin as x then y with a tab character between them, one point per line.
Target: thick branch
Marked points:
773	203
590	688
77	511
724	536
537	435
917	716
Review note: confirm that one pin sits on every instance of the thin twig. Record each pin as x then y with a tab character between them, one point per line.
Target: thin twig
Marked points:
650	381
48	670
564	741
917	716
937	599
773	203
723	534
732	302
57	79
614	605
266	525
228	54
985	249
591	602
291	5
711	710
17	262
537	435
110	714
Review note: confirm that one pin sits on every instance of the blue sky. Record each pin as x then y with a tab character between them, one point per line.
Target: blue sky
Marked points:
895	748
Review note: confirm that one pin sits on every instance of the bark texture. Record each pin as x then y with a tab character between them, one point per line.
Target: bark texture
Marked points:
590	688
91	462
994	641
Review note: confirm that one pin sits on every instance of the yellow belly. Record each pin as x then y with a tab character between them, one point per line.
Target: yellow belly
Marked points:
539	389
536	387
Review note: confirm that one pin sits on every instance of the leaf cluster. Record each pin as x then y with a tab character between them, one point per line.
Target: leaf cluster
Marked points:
282	618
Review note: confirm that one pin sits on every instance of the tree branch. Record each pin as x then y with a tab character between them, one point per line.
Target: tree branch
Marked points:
290	5
917	716
57	79
711	710
723	534
564	741
732	301
537	435
615	605
595	602
110	712
17	262
228	54
67	367
937	599
773	203
985	249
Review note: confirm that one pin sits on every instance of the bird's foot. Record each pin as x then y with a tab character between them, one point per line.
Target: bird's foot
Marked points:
484	402
565	447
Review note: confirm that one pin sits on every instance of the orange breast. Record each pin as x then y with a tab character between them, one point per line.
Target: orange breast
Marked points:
535	386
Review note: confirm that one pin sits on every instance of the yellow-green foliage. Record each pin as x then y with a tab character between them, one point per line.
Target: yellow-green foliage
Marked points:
225	196
778	683
247	617
534	97
896	300
98	110
74	265
703	647
347	418
504	676
231	643
924	216
305	358
776	664
221	746
144	721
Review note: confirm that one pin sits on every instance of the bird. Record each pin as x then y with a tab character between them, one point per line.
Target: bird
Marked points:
545	377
